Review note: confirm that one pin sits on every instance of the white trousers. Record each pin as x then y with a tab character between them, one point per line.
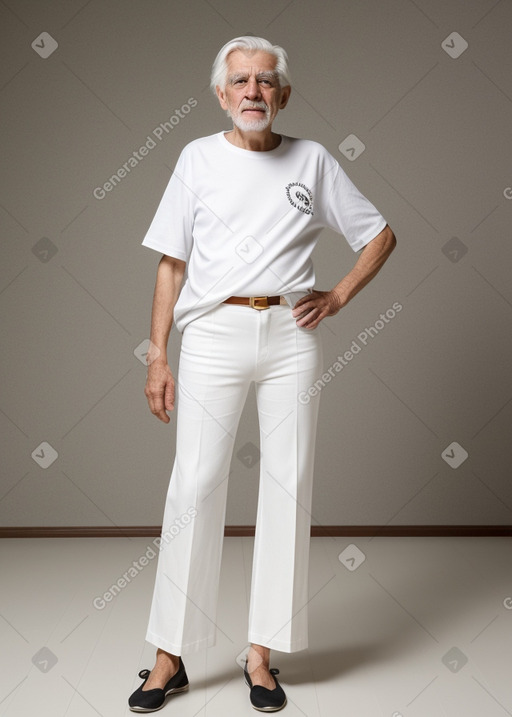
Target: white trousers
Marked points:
222	353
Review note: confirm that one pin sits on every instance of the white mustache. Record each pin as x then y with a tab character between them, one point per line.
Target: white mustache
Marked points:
255	106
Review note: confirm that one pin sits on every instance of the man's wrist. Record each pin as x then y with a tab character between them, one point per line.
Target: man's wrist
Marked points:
156	358
340	296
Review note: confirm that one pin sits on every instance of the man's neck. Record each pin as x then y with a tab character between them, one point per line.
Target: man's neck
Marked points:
254	141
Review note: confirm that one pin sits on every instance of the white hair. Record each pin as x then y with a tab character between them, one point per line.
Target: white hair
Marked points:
248	42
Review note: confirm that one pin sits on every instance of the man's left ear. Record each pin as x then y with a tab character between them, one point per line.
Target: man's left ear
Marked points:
285	96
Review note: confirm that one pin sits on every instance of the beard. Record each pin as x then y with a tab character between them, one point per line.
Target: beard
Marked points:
250	125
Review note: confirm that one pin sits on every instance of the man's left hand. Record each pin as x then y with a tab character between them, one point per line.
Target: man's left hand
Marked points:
311	309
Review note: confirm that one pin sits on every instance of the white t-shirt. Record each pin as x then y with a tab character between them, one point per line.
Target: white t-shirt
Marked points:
246	222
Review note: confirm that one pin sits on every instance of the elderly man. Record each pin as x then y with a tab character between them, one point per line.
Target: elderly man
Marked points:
239	219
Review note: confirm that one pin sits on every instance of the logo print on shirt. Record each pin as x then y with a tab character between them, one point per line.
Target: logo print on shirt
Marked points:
300	197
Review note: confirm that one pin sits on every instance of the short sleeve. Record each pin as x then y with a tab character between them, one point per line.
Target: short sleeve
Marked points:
171	231
351	213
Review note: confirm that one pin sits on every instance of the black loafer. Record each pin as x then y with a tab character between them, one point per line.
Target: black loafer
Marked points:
262	698
152	700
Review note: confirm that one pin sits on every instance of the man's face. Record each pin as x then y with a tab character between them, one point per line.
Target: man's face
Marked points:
253	95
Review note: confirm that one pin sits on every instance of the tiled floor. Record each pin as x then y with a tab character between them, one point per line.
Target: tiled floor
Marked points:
421	628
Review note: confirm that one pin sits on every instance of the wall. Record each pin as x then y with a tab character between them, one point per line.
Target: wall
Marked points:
422	388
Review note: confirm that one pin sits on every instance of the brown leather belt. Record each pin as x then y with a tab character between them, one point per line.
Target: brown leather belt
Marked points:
255	302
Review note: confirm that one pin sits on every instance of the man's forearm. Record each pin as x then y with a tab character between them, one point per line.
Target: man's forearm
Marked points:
367	266
167	289
313	308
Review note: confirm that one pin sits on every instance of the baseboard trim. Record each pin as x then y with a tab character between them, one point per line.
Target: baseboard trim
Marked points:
317	531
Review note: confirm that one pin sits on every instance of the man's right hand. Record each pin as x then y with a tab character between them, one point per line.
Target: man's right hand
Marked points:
159	389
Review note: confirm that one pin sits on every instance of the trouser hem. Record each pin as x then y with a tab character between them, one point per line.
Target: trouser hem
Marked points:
280	645
177	649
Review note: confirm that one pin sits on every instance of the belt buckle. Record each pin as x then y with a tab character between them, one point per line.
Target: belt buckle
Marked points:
259	302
